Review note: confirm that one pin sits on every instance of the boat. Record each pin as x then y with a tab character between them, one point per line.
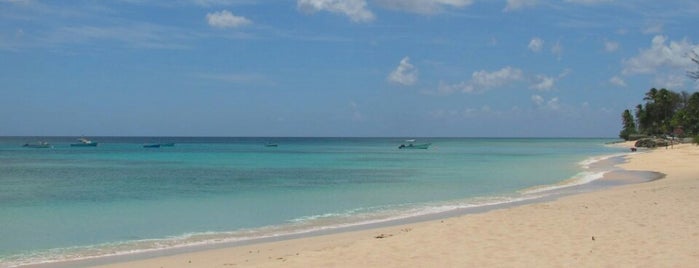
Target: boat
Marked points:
271	144
412	145
84	143
40	144
158	145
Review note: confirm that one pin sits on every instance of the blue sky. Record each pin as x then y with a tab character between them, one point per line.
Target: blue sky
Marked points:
337	68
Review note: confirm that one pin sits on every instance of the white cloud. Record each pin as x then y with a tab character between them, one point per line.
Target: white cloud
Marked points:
557	49
660	54
671	81
446	89
405	74
536	44
611	46
423	6
617	81
356	10
552	104
483	80
544	83
513	5
226	19
538	100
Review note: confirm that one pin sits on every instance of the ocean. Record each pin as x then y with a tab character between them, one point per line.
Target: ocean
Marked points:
71	203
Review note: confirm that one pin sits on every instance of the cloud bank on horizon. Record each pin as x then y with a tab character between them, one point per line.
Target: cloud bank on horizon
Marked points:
289	68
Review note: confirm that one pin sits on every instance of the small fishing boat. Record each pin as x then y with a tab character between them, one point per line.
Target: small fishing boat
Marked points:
411	145
271	144
83	142
40	144
157	145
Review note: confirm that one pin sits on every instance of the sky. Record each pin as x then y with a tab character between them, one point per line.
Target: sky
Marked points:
352	68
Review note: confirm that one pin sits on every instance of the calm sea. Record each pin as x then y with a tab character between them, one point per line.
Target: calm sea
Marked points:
67	203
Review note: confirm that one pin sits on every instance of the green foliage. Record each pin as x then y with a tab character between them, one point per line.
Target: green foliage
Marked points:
655	116
696	139
666	112
629	126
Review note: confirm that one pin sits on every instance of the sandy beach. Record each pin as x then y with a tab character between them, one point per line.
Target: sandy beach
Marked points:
653	224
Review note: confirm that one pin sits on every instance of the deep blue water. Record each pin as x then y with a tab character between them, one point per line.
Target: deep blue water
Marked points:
69	202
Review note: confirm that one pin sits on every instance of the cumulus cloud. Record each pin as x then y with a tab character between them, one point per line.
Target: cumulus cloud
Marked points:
226	19
513	5
617	81
405	74
660	54
670	81
356	10
538	100
483	80
552	104
611	46
544	83
536	44
423	6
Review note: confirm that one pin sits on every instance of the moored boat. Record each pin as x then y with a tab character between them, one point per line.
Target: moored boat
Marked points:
84	143
411	145
40	144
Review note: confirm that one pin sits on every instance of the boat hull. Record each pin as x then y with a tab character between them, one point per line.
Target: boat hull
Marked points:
92	144
415	146
37	145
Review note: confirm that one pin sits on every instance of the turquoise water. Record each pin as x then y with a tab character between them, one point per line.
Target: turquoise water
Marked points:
68	203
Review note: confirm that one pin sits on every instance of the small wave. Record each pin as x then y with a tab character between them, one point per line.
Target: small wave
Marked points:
580	179
587	163
299	226
79	253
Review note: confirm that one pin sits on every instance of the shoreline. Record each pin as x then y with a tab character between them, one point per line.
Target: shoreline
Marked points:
644	224
615	178
591	169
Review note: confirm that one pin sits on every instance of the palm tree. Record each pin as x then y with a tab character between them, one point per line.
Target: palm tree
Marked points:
694	74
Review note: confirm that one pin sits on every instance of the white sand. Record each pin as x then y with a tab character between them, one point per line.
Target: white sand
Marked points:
654	224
